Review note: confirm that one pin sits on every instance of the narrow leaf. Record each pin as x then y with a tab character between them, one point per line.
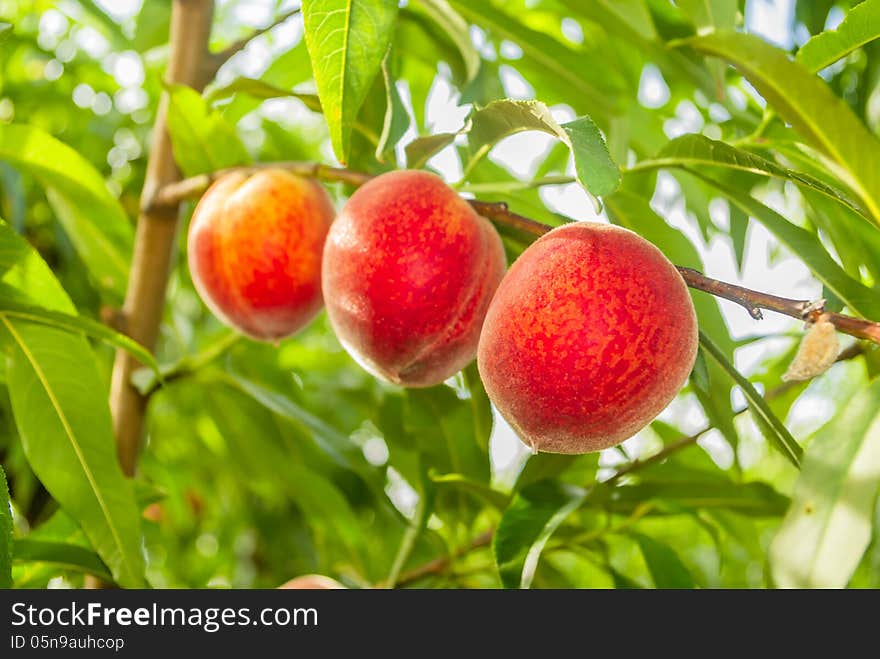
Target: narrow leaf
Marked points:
422	149
457	29
554	59
535	513
5	534
694	150
91	216
487	493
347	40
69	557
259	89
397	119
828	526
60	407
201	138
807	247
663	563
860	26
77	325
779	436
708	15
805	101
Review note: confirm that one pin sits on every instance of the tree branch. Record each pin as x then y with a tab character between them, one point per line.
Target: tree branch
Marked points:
498	212
214	61
156	230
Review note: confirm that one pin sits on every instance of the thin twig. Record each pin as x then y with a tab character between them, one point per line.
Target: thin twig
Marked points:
192	188
438	565
216	60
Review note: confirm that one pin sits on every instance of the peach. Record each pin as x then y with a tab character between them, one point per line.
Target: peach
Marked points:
255	246
311	582
409	271
590	335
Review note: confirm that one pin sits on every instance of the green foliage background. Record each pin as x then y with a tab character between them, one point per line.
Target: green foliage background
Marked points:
266	462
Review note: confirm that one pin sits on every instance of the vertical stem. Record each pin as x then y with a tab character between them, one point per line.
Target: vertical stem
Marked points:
156	229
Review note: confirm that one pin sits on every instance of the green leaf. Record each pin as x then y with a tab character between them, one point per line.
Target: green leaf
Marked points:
258	89
397	119
335	444
69	557
60	407
595	170
91	216
445	431
828	526
152	25
61	411
458	31
700	372
5	31
5	534
701	490
697	151
663	563
806	102
860	26
286	71
708	15
807	247
202	140
487	493
535	513
422	149
778	434
78	325
347	40
554	59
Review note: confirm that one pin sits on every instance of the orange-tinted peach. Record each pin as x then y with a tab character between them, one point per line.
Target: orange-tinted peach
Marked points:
311	582
590	335
409	271
255	247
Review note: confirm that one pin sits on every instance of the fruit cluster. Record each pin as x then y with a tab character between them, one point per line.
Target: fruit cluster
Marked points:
586	338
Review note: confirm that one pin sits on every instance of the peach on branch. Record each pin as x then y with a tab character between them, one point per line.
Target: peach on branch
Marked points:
255	246
409	271
591	334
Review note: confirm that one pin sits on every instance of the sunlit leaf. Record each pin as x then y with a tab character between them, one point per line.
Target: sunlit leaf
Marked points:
202	140
5	534
535	513
91	216
860	26
805	101
347	40
828	526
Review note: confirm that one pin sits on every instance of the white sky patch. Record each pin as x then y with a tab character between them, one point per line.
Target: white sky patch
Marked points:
653	90
771	19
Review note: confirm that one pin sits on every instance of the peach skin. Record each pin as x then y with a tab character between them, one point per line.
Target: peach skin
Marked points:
255	246
409	271
590	335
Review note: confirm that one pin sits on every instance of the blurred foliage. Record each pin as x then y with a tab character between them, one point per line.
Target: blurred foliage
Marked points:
265	462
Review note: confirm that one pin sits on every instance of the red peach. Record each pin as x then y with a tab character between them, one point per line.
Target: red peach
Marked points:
590	335
255	246
409	271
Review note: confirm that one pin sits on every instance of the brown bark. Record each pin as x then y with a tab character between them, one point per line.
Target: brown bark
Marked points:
156	229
